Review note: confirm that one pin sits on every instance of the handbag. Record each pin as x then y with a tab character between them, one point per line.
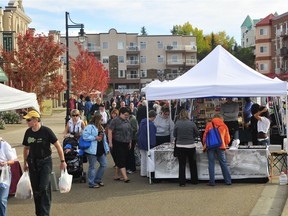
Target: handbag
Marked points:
83	144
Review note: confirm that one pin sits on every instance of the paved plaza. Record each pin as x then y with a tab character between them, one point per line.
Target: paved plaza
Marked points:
140	198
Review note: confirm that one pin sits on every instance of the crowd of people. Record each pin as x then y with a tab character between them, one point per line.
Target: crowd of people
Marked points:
120	125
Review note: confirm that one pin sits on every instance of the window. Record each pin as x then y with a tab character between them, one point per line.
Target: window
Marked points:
105	45
160	44
91	47
105	59
263	67
160	59
174	58
143	73
174	44
121	45
263	31
142	45
142	59
263	49
121	74
120	59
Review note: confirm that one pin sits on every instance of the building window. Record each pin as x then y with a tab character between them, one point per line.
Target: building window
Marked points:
105	45
143	73
263	49
174	44
142	59
264	67
160	45
121	45
174	58
105	59
263	31
121	74
120	59
91	47
142	45
160	59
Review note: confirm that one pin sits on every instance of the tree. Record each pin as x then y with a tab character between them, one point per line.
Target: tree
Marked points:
143	31
88	75
246	55
205	43
33	66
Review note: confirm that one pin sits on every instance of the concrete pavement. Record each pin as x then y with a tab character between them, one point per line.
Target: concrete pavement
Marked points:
141	198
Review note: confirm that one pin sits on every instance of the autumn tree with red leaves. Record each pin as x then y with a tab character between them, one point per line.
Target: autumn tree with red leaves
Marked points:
32	67
88	75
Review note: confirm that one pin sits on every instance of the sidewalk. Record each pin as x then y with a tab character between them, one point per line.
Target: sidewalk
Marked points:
240	199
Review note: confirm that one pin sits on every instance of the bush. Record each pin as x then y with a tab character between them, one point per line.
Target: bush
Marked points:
10	117
2	124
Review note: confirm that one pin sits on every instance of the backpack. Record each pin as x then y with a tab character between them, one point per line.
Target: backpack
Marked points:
213	138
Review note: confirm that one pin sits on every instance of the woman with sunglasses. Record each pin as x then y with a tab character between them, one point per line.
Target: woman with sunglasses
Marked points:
75	125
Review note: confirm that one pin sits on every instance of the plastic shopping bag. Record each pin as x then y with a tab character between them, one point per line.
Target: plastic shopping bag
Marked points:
24	189
65	181
5	177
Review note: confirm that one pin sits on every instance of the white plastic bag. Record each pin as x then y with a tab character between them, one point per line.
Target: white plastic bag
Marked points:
65	181
24	189
5	177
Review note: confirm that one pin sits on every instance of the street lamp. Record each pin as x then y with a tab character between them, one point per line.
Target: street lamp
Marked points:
81	39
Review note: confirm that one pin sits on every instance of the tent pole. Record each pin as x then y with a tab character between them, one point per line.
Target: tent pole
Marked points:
148	138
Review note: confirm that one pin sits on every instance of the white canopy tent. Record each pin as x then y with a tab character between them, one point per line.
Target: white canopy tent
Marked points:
11	99
220	74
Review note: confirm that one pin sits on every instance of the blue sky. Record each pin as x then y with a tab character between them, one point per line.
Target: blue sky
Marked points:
158	16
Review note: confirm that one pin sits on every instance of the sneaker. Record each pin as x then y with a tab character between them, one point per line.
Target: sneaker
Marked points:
130	171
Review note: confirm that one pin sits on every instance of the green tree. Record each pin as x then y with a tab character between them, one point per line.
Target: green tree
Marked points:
246	55
143	31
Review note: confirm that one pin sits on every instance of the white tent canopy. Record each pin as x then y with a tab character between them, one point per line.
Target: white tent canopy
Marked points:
220	74
11	99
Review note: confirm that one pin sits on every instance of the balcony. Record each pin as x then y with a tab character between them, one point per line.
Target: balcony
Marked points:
132	75
133	63
171	76
132	50
180	48
95	50
180	62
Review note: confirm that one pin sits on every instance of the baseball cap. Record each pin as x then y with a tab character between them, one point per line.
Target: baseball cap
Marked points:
32	114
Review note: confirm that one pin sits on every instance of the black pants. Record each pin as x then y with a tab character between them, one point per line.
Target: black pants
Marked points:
39	172
130	164
120	150
183	154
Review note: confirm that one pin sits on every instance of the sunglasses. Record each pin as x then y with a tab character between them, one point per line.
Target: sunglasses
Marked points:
75	115
28	120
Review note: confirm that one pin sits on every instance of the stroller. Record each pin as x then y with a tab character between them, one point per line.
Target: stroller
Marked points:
74	158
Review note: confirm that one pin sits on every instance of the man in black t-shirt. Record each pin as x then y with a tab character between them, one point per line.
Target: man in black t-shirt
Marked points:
37	158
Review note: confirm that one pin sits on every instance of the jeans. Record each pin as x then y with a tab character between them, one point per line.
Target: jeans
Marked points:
4	193
39	172
223	164
94	176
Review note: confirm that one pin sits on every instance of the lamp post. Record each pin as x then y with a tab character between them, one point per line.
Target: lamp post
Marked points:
81	39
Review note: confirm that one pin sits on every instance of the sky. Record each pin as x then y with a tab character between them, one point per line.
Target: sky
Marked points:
158	16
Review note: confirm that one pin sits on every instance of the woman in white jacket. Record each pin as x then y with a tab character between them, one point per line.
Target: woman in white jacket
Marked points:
7	157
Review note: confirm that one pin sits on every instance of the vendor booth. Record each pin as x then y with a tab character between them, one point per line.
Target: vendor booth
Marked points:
219	75
12	99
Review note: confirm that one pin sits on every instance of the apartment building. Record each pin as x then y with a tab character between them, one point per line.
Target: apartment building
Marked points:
263	49
13	21
248	32
134	60
279	46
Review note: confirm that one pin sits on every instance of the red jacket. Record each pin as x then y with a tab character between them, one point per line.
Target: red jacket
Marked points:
223	130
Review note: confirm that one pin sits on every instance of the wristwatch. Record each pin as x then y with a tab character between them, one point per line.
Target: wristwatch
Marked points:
62	161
